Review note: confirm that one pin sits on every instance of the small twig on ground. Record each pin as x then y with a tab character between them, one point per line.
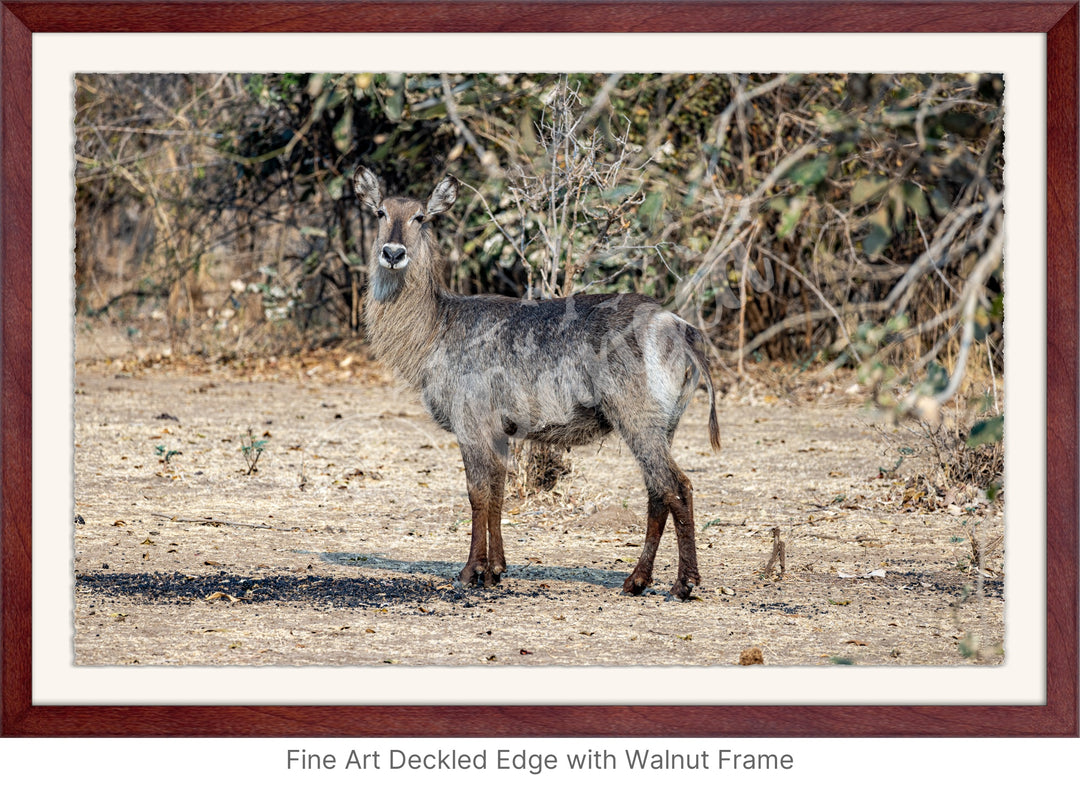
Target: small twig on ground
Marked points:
777	554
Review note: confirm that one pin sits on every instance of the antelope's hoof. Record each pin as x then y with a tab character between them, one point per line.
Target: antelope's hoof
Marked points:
635	584
491	578
684	587
470	575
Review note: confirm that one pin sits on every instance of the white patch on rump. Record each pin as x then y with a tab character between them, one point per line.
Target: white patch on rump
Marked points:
665	361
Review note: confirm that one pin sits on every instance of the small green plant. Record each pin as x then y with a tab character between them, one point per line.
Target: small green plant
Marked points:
904	452
252	449
165	456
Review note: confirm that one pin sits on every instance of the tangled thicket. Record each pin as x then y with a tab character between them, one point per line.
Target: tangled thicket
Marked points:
824	219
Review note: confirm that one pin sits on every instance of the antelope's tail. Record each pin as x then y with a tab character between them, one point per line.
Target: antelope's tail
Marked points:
701	360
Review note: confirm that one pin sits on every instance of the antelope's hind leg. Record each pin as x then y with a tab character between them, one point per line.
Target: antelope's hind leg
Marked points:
641	577
669	493
681	503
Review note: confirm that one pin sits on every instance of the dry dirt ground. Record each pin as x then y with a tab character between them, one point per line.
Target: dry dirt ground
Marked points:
341	547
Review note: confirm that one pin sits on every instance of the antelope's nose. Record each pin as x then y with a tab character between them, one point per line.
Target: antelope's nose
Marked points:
393	254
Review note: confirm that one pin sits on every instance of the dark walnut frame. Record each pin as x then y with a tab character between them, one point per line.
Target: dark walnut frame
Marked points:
1057	20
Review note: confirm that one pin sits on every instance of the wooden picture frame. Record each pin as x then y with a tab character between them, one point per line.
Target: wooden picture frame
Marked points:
1058	717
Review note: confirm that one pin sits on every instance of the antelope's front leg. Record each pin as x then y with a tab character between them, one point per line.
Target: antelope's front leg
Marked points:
496	556
485	478
477	563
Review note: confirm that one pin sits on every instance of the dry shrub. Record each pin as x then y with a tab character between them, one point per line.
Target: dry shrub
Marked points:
939	468
537	467
958	465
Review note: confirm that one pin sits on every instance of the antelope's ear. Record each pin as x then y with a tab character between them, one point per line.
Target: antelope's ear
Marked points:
366	186
443	196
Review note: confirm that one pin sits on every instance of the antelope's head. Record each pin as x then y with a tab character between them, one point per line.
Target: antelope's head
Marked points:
402	237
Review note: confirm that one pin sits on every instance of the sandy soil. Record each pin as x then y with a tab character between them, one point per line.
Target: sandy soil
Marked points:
341	547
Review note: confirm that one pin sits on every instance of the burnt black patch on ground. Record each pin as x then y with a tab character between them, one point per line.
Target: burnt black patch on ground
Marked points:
785	608
315	591
954	585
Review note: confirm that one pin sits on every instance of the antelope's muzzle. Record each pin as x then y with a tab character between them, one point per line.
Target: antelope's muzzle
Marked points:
393	256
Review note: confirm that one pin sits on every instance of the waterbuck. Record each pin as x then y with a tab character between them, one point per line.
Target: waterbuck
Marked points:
564	372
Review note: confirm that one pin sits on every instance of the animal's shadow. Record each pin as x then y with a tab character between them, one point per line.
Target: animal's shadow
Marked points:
450	570
415	584
320	592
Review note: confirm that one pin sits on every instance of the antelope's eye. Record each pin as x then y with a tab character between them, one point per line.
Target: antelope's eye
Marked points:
379	213
419	218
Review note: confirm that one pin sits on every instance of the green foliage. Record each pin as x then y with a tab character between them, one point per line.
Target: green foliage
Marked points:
809	173
165	457
801	200
252	450
868	188
990	430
